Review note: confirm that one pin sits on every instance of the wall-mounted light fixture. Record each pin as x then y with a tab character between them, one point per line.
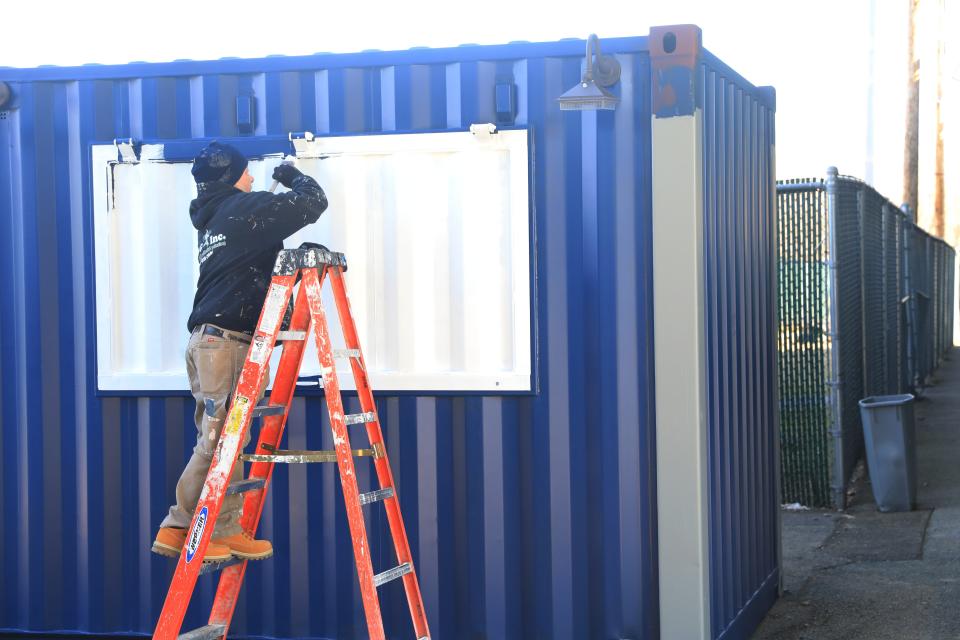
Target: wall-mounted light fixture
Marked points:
602	71
5	95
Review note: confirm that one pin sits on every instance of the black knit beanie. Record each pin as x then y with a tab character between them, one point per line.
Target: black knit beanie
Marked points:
219	163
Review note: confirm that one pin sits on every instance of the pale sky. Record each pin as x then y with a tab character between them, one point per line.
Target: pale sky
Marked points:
816	54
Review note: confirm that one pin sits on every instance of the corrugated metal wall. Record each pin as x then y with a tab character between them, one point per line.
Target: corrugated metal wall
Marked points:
740	293
529	515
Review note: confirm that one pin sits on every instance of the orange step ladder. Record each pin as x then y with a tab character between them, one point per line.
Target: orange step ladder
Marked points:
314	266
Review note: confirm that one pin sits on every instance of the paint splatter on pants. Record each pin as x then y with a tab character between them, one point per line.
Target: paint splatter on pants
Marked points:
213	366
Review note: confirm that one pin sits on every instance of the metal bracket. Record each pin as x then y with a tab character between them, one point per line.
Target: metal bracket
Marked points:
307	145
674	59
482	132
301	141
128	150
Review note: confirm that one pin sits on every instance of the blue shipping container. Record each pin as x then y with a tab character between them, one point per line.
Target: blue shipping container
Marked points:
530	514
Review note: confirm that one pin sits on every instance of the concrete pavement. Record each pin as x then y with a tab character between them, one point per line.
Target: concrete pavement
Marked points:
868	575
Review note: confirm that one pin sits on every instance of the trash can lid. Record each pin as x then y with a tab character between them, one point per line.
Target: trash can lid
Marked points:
887	401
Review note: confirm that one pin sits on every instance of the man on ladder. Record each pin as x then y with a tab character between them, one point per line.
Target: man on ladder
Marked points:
239	234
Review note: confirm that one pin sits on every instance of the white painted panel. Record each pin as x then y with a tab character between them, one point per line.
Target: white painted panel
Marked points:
678	300
436	232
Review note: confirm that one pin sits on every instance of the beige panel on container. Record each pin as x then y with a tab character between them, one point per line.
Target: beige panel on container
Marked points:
435	228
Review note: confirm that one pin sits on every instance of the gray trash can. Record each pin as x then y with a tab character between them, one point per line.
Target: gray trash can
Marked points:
888	434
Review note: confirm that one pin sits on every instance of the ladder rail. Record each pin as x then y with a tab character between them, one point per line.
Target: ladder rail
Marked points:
225	457
382	463
341	439
291	359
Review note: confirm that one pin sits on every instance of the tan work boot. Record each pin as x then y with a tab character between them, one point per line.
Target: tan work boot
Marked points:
243	545
170	541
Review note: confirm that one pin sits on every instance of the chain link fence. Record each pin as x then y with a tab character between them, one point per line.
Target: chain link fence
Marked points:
802	345
865	308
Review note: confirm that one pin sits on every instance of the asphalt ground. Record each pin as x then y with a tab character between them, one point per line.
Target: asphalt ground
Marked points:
863	574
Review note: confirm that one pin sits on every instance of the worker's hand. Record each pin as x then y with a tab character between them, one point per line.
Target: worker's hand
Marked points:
285	174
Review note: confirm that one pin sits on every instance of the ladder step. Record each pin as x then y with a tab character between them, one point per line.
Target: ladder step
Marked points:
243	486
291	335
210	567
346	353
375	496
209	632
294	457
360	418
268	410
392	574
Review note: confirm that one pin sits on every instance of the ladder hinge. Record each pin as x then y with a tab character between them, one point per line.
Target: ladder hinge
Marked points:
268	410
242	486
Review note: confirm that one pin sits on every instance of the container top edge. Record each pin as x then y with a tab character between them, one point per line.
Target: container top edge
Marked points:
765	94
321	61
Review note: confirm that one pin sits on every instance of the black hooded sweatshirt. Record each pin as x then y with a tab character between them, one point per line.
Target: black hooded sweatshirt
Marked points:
239	235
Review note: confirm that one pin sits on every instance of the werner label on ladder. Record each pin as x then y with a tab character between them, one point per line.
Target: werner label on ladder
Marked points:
314	265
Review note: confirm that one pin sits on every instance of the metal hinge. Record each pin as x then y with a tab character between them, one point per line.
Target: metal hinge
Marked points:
307	145
301	141
482	132
128	149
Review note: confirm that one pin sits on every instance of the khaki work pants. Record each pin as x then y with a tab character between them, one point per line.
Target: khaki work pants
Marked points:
214	364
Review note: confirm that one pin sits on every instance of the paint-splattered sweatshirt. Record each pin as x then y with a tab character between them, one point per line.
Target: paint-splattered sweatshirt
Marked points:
239	235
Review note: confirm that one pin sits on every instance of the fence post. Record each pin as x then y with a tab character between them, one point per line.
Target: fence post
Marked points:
910	320
834	380
889	386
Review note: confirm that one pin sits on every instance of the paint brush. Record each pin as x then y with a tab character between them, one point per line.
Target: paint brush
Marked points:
273	187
